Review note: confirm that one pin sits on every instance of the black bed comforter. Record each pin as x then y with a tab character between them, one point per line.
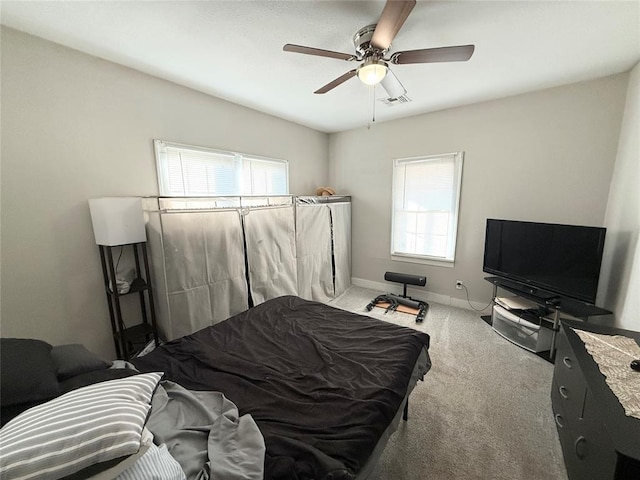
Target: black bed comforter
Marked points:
321	383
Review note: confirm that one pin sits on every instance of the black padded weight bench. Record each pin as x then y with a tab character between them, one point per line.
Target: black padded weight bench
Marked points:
395	301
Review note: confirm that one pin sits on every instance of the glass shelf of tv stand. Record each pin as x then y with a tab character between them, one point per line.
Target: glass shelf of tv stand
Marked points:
554	303
575	308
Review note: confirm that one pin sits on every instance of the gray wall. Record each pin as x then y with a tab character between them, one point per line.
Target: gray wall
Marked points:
76	127
544	156
620	277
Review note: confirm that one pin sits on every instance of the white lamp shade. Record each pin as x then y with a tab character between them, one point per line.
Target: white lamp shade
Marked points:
117	220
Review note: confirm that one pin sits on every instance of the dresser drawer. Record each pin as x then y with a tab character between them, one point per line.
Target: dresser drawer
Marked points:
568	381
566	428
586	448
590	445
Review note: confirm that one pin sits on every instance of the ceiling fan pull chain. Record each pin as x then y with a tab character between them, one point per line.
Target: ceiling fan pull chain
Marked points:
372	99
373	102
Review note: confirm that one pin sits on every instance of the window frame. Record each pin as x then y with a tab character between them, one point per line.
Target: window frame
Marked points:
162	169
449	260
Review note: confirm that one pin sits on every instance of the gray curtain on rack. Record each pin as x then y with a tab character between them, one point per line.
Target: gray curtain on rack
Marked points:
271	252
199	255
341	220
313	252
204	269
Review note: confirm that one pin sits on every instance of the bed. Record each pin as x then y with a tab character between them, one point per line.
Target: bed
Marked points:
289	389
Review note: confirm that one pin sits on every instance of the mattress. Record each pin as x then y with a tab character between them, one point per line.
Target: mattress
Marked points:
324	386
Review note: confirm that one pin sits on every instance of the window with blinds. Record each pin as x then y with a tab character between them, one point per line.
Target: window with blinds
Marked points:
426	197
188	171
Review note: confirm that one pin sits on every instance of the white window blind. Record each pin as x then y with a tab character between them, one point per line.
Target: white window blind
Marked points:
188	171
426	195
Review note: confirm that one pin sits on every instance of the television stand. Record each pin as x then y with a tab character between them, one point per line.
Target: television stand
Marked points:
555	304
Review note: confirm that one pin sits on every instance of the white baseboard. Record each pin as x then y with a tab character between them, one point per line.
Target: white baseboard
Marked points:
419	294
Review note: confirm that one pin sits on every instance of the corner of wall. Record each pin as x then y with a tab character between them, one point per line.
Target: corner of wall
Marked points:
620	276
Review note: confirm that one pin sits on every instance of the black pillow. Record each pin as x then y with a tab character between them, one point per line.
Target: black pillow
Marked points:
75	359
28	373
89	378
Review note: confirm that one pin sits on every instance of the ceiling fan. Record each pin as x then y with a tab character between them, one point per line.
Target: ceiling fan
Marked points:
372	43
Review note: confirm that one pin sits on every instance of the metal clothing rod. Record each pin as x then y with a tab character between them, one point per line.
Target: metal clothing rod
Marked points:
223	209
316	204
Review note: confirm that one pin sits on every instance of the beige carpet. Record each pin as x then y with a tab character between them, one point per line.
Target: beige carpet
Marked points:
483	410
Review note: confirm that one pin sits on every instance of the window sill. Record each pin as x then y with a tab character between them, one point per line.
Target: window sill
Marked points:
436	262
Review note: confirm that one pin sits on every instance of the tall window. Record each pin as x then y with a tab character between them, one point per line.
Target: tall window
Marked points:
426	197
188	171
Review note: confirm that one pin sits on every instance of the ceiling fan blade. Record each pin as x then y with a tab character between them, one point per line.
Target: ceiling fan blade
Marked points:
460	53
317	51
392	85
333	84
393	16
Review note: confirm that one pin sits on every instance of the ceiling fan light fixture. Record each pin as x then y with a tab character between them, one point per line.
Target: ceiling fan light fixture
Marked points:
372	71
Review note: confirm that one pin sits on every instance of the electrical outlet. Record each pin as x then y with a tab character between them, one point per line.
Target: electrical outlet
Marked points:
458	284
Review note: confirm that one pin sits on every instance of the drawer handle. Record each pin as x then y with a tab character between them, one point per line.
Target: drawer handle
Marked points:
559	420
567	361
563	392
579	442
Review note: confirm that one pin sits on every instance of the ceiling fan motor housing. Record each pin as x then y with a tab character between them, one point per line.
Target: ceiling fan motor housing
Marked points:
362	42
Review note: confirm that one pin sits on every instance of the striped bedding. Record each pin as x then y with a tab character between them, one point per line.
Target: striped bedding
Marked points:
107	431
86	427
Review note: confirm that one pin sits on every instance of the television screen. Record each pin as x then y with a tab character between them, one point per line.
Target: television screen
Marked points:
561	259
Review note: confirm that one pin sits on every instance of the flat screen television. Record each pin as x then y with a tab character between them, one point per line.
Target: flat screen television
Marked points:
563	260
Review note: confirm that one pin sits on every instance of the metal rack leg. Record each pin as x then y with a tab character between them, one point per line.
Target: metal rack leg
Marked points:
116	302
152	310
556	325
112	317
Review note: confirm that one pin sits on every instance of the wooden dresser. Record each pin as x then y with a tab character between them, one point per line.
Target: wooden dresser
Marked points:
598	440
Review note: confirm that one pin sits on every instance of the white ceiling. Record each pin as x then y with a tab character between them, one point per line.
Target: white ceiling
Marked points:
233	49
